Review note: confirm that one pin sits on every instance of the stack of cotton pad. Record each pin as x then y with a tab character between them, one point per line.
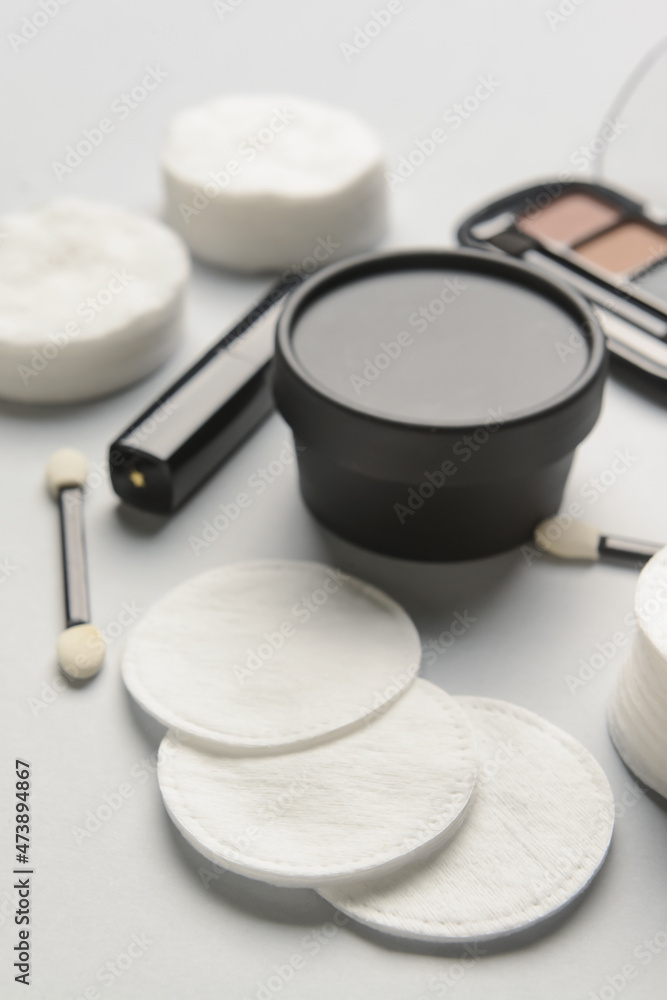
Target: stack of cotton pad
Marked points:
262	667
90	296
638	708
266	183
303	752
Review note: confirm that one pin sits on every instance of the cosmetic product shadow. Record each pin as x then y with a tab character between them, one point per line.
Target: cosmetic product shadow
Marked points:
250	281
643	383
655	797
75	683
429	591
46	412
471	950
28	410
140	522
650	793
300	907
279	904
152	730
515	942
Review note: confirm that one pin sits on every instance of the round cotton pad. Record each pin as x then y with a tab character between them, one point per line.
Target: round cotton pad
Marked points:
90	297
266	182
638	707
266	655
535	836
357	805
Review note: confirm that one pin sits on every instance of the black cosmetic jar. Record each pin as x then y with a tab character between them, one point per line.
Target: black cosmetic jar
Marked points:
436	398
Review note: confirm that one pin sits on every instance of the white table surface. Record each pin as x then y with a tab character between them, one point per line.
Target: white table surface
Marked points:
534	624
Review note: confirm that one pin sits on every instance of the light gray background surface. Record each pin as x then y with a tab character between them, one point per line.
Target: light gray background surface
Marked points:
222	937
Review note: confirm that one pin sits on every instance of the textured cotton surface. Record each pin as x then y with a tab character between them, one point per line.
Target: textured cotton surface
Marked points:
361	803
536	834
89	299
638	707
263	182
269	654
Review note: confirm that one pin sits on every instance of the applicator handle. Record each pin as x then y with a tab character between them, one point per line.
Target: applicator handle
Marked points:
174	445
77	607
627	550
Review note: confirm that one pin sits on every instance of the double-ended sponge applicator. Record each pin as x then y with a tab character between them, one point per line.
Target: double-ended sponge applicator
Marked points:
584	542
80	646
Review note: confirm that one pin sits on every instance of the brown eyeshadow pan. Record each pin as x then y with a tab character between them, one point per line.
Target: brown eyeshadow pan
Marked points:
626	249
570	219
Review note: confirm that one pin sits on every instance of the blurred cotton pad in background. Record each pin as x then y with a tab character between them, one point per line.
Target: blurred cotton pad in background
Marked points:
90	297
359	804
536	834
270	654
264	182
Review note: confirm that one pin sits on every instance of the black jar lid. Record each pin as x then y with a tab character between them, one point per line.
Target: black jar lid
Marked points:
386	357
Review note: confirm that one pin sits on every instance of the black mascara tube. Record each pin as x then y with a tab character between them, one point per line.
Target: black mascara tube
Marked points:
174	445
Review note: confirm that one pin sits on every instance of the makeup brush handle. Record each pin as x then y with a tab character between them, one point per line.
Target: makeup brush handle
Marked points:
77	609
627	550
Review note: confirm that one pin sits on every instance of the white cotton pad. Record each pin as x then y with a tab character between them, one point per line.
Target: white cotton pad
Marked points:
273	654
357	805
267	182
638	707
90	296
536	834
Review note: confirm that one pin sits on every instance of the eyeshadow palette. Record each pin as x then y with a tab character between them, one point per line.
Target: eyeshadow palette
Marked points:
608	247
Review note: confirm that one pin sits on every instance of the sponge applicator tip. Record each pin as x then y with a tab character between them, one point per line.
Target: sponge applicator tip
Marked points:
81	651
66	467
576	540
